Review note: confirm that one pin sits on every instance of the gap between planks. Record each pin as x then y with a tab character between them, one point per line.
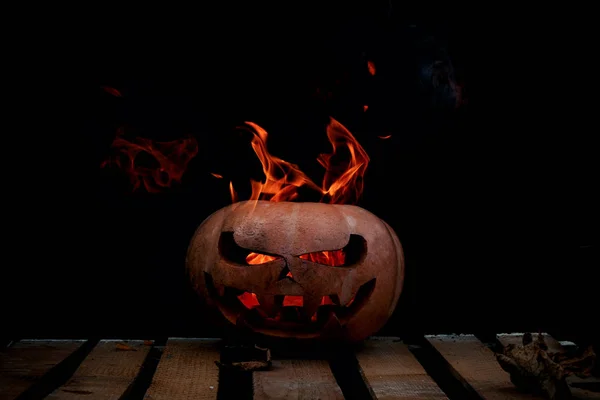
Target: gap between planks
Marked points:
107	372
186	370
391	371
26	362
29	366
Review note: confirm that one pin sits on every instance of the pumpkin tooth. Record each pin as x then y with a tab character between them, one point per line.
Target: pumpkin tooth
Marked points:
310	305
333	326
323	313
256	312
335	299
345	296
268	303
242	322
249	318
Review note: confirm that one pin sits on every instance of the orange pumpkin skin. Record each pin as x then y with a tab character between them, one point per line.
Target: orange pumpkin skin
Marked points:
362	293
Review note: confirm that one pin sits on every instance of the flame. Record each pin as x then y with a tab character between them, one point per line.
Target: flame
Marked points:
371	67
233	193
172	159
334	258
250	300
256	258
385	137
343	179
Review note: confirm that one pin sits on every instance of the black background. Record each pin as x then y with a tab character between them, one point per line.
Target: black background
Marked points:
497	222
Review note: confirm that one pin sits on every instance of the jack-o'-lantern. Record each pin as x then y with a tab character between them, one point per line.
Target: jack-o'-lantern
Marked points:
298	270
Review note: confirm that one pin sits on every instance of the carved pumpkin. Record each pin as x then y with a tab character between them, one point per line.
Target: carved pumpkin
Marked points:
298	270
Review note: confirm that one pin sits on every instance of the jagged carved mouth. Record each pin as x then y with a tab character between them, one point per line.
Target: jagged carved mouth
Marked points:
286	313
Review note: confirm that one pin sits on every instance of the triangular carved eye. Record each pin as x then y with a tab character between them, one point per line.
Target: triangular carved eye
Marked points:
231	251
333	258
354	252
258	258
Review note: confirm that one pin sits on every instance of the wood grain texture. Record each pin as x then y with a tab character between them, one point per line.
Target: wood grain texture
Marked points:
392	372
555	347
297	379
25	362
106	373
187	370
478	366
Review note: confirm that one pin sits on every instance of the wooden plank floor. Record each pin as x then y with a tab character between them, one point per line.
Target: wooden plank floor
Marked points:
107	371
296	380
27	361
392	372
478	366
177	369
187	370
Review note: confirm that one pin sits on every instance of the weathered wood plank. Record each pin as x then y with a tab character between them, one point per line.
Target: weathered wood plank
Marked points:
106	373
392	372
297	379
187	370
25	362
478	366
555	346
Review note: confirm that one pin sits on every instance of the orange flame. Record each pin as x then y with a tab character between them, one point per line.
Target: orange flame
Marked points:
249	299
371	67
234	196
334	258
255	258
172	158
343	180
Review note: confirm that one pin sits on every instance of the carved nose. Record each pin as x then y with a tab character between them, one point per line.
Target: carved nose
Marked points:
286	272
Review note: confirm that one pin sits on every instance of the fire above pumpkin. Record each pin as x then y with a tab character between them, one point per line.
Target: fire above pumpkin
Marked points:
342	183
300	270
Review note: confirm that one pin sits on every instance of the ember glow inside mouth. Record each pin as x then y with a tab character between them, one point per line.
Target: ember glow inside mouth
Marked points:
290	306
285	312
